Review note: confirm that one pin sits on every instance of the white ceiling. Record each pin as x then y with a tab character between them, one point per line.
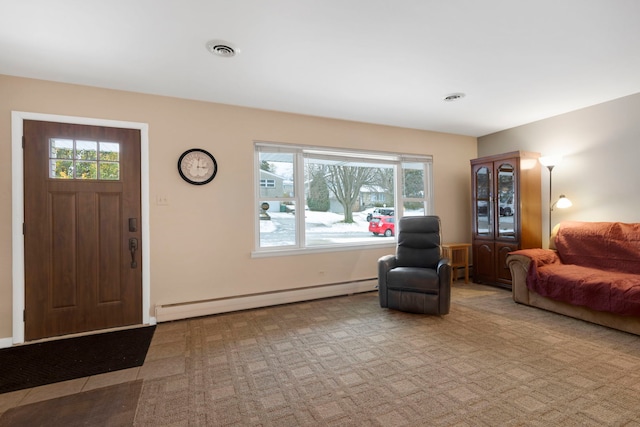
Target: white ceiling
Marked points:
377	61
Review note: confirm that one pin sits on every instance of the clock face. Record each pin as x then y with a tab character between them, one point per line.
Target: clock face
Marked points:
197	166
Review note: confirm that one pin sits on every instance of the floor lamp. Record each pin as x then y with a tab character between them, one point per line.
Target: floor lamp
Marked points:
562	202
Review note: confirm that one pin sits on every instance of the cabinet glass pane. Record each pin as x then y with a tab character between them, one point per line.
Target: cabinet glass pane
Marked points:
484	225
506	207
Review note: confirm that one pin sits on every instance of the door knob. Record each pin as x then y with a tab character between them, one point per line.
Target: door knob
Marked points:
133	247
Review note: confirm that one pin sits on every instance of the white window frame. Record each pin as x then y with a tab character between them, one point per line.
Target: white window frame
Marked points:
299	198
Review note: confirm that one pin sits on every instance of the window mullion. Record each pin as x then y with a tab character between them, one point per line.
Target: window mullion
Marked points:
428	188
399	190
300	199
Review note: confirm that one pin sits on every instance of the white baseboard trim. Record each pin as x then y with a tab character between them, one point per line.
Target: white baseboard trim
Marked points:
6	342
168	312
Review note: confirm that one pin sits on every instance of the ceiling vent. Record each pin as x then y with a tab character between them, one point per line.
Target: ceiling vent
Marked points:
453	97
221	48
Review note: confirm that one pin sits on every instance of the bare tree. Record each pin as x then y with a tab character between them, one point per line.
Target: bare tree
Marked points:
345	182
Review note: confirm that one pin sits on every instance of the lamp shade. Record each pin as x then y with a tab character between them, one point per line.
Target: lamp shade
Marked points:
563	202
550	160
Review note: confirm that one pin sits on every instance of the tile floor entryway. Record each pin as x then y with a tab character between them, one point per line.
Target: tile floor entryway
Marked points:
166	357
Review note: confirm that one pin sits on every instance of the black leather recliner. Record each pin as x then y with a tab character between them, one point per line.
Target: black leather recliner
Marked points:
416	279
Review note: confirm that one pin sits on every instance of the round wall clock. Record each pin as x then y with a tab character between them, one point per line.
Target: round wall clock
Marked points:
197	166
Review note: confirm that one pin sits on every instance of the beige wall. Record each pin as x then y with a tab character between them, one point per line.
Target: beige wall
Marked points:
201	242
600	146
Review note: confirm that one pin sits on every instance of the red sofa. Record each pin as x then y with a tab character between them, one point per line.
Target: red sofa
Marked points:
591	272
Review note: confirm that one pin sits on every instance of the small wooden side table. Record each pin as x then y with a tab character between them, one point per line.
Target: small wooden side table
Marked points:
458	254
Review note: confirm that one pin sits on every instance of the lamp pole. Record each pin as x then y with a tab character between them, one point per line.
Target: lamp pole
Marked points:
550	167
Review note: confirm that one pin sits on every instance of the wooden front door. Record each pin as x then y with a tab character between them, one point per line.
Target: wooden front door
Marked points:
83	260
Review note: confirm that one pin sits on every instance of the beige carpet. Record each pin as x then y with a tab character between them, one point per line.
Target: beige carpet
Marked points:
347	362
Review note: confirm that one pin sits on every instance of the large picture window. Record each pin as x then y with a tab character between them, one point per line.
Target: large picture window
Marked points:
328	198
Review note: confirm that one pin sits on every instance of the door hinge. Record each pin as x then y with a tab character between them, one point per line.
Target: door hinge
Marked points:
24	315
23	139
24	228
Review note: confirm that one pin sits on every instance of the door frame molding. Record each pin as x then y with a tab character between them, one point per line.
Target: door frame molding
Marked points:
17	208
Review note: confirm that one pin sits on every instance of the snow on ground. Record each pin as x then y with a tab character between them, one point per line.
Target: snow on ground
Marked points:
317	221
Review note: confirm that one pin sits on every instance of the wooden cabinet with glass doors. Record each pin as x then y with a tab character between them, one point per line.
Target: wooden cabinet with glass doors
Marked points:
506	198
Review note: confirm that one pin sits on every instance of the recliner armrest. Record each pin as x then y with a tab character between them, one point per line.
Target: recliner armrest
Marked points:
385	263
441	264
444	277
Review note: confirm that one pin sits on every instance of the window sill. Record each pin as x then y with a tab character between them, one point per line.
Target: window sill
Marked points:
319	249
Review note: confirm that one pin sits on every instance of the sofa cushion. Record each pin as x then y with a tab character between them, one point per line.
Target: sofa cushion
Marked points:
610	246
614	292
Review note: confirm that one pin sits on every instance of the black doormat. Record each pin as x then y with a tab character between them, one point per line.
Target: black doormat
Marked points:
32	365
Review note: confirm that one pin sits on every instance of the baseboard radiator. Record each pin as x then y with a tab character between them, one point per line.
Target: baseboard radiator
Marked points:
185	310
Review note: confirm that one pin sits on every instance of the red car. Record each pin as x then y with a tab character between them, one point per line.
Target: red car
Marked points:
382	225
